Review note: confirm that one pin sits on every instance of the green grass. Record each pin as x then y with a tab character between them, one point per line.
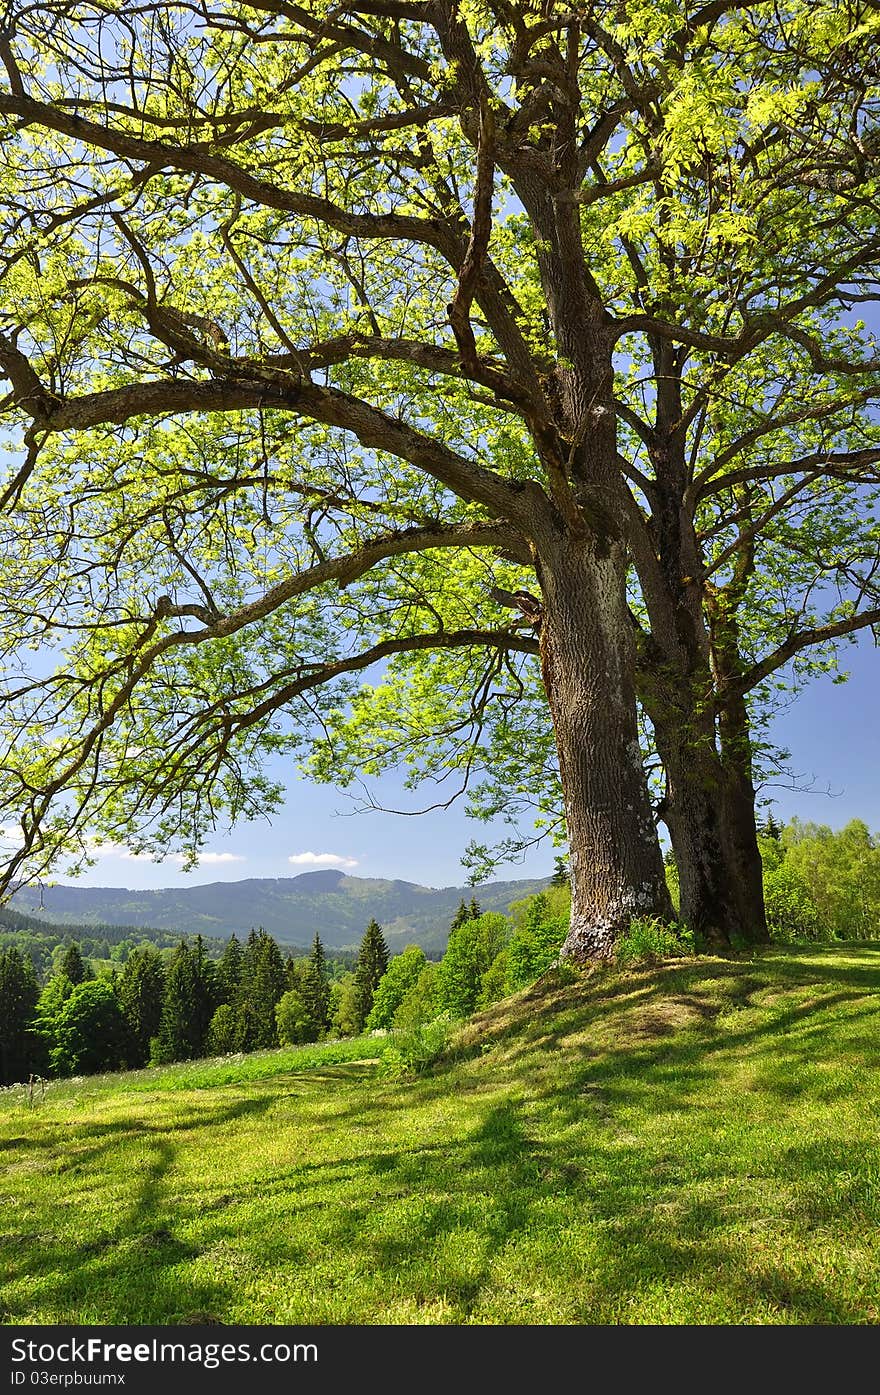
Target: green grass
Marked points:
695	1142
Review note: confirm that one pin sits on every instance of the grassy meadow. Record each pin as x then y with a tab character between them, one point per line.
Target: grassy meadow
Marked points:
690	1142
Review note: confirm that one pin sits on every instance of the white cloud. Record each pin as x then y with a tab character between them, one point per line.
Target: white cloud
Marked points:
11	837
220	857
310	859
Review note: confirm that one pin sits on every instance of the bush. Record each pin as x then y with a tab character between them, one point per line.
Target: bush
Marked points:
414	1052
650	938
791	912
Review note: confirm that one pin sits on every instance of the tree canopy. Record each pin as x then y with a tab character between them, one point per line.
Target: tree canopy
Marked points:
494	343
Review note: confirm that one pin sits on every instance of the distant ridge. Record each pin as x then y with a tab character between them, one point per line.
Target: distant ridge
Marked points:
292	909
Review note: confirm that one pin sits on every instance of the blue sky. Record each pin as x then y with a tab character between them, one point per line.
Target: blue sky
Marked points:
832	730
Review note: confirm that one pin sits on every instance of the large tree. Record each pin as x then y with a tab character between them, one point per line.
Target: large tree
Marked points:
346	334
19	1055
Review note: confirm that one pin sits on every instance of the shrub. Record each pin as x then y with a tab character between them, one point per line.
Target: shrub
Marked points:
650	938
414	1052
791	911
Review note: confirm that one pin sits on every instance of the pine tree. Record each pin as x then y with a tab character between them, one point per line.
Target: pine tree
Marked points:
18	1000
229	970
475	910
141	992
72	964
372	962
561	876
205	997
187	1005
771	828
262	982
462	915
316	987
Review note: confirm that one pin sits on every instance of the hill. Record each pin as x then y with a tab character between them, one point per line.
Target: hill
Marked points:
292	909
692	1143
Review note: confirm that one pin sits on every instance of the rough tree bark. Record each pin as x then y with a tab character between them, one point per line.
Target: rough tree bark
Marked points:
587	659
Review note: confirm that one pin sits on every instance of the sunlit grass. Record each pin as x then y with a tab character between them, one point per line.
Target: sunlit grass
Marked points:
691	1143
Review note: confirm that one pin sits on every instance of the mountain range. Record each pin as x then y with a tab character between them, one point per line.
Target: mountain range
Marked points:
292	909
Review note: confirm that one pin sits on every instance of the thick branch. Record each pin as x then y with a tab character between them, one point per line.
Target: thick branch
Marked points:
795	643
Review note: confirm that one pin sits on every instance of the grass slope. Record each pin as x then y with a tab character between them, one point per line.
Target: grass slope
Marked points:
690	1143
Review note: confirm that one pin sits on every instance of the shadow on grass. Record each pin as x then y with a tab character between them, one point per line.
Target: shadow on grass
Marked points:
125	1273
540	1148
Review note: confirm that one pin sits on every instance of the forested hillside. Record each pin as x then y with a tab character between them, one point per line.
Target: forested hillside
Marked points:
291	909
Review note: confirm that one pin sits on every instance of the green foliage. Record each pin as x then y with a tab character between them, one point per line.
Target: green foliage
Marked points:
561	872
345	1007
49	1006
229	970
71	964
262	981
316	987
493	984
471	949
535	944
222	1031
650	939
18	999
294	1020
140	993
187	1006
419	1004
841	873
90	1031
415	1051
792	914
402	973
821	884
372	962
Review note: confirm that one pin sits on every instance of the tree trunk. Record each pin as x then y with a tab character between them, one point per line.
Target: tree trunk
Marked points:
736	755
707	809
720	899
588	663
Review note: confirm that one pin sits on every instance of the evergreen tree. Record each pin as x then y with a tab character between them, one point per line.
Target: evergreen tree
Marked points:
372	962
206	989
461	915
316	987
187	1005
561	874
262	984
18	1000
475	910
140	994
71	964
229	970
771	828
